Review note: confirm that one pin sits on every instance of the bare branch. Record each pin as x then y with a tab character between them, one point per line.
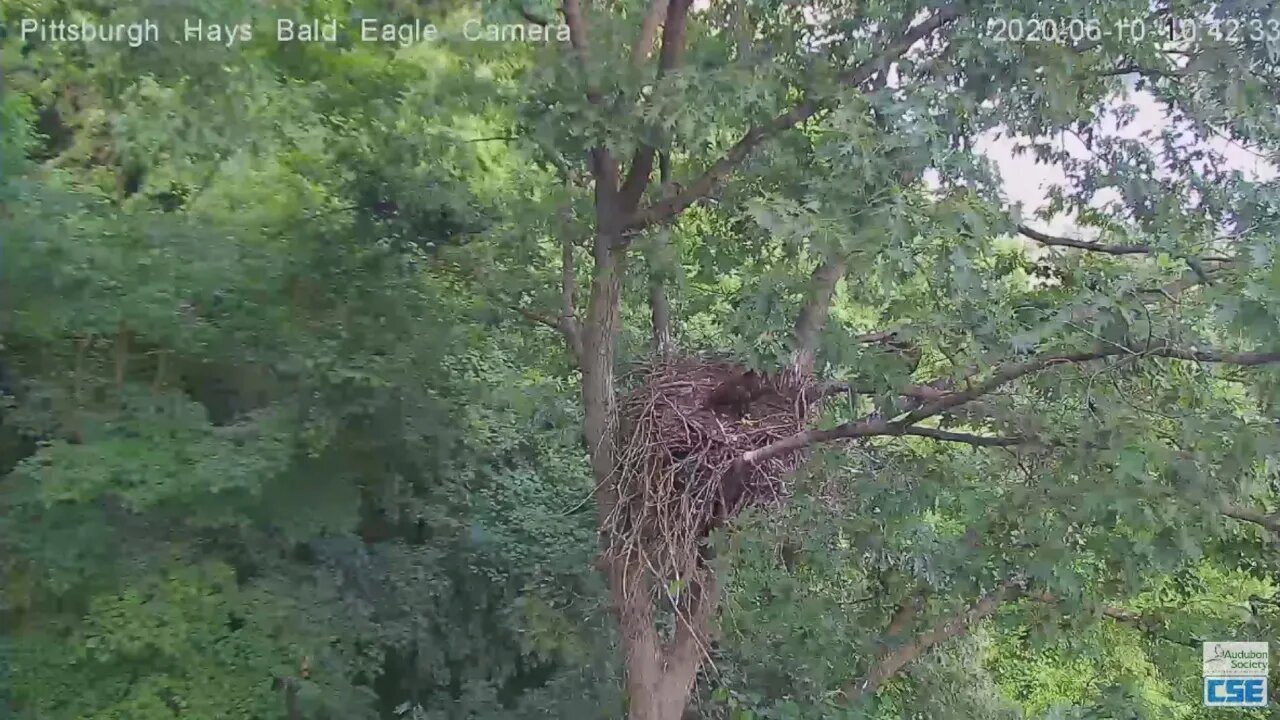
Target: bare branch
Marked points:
648	31
1054	240
659	306
813	316
569	297
893	662
1132	69
660	310
1135	249
537	317
1257	517
720	170
967	438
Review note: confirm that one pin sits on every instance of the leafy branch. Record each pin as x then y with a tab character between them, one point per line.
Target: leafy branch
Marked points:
737	155
872	426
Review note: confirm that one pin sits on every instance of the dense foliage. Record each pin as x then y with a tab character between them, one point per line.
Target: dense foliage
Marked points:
292	372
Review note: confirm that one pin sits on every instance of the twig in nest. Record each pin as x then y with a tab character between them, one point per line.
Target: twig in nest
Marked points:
680	471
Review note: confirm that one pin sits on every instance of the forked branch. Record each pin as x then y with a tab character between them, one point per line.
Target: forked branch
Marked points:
809	106
673	44
894	661
973	388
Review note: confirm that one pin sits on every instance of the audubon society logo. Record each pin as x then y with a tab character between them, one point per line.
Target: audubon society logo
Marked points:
1235	674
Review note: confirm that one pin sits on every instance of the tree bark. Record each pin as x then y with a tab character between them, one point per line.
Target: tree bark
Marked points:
660	679
660	310
659	306
813	317
891	663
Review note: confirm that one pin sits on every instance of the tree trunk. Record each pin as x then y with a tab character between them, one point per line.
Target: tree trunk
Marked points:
598	347
663	339
663	343
659	679
640	644
813	317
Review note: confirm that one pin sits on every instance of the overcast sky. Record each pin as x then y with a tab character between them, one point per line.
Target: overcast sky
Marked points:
1027	182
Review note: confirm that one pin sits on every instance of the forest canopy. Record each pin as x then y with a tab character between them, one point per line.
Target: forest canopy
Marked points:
653	359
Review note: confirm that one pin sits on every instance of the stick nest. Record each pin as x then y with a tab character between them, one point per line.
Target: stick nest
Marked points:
679	460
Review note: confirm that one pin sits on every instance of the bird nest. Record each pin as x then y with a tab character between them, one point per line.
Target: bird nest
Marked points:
683	432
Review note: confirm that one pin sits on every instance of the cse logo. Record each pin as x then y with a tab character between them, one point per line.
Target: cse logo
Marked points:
1235	692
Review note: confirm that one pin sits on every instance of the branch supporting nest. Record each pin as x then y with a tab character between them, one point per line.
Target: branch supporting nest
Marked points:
680	469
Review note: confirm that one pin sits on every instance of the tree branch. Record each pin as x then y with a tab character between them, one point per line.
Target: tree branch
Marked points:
813	316
1107	611
648	30
603	165
533	18
569	297
1249	515
894	661
1005	373
689	641
663	337
719	170
537	317
1143	70
1054	240
1137	620
1135	249
673	42
577	32
968	439
904	616
567	322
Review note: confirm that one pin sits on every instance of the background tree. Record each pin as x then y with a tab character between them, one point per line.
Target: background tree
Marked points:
287	432
872	114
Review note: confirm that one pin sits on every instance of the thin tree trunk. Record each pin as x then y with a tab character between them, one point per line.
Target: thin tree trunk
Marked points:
640	644
292	708
663	342
598	349
659	679
813	317
891	663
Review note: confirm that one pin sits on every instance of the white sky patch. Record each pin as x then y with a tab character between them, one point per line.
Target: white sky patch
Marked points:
1027	181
